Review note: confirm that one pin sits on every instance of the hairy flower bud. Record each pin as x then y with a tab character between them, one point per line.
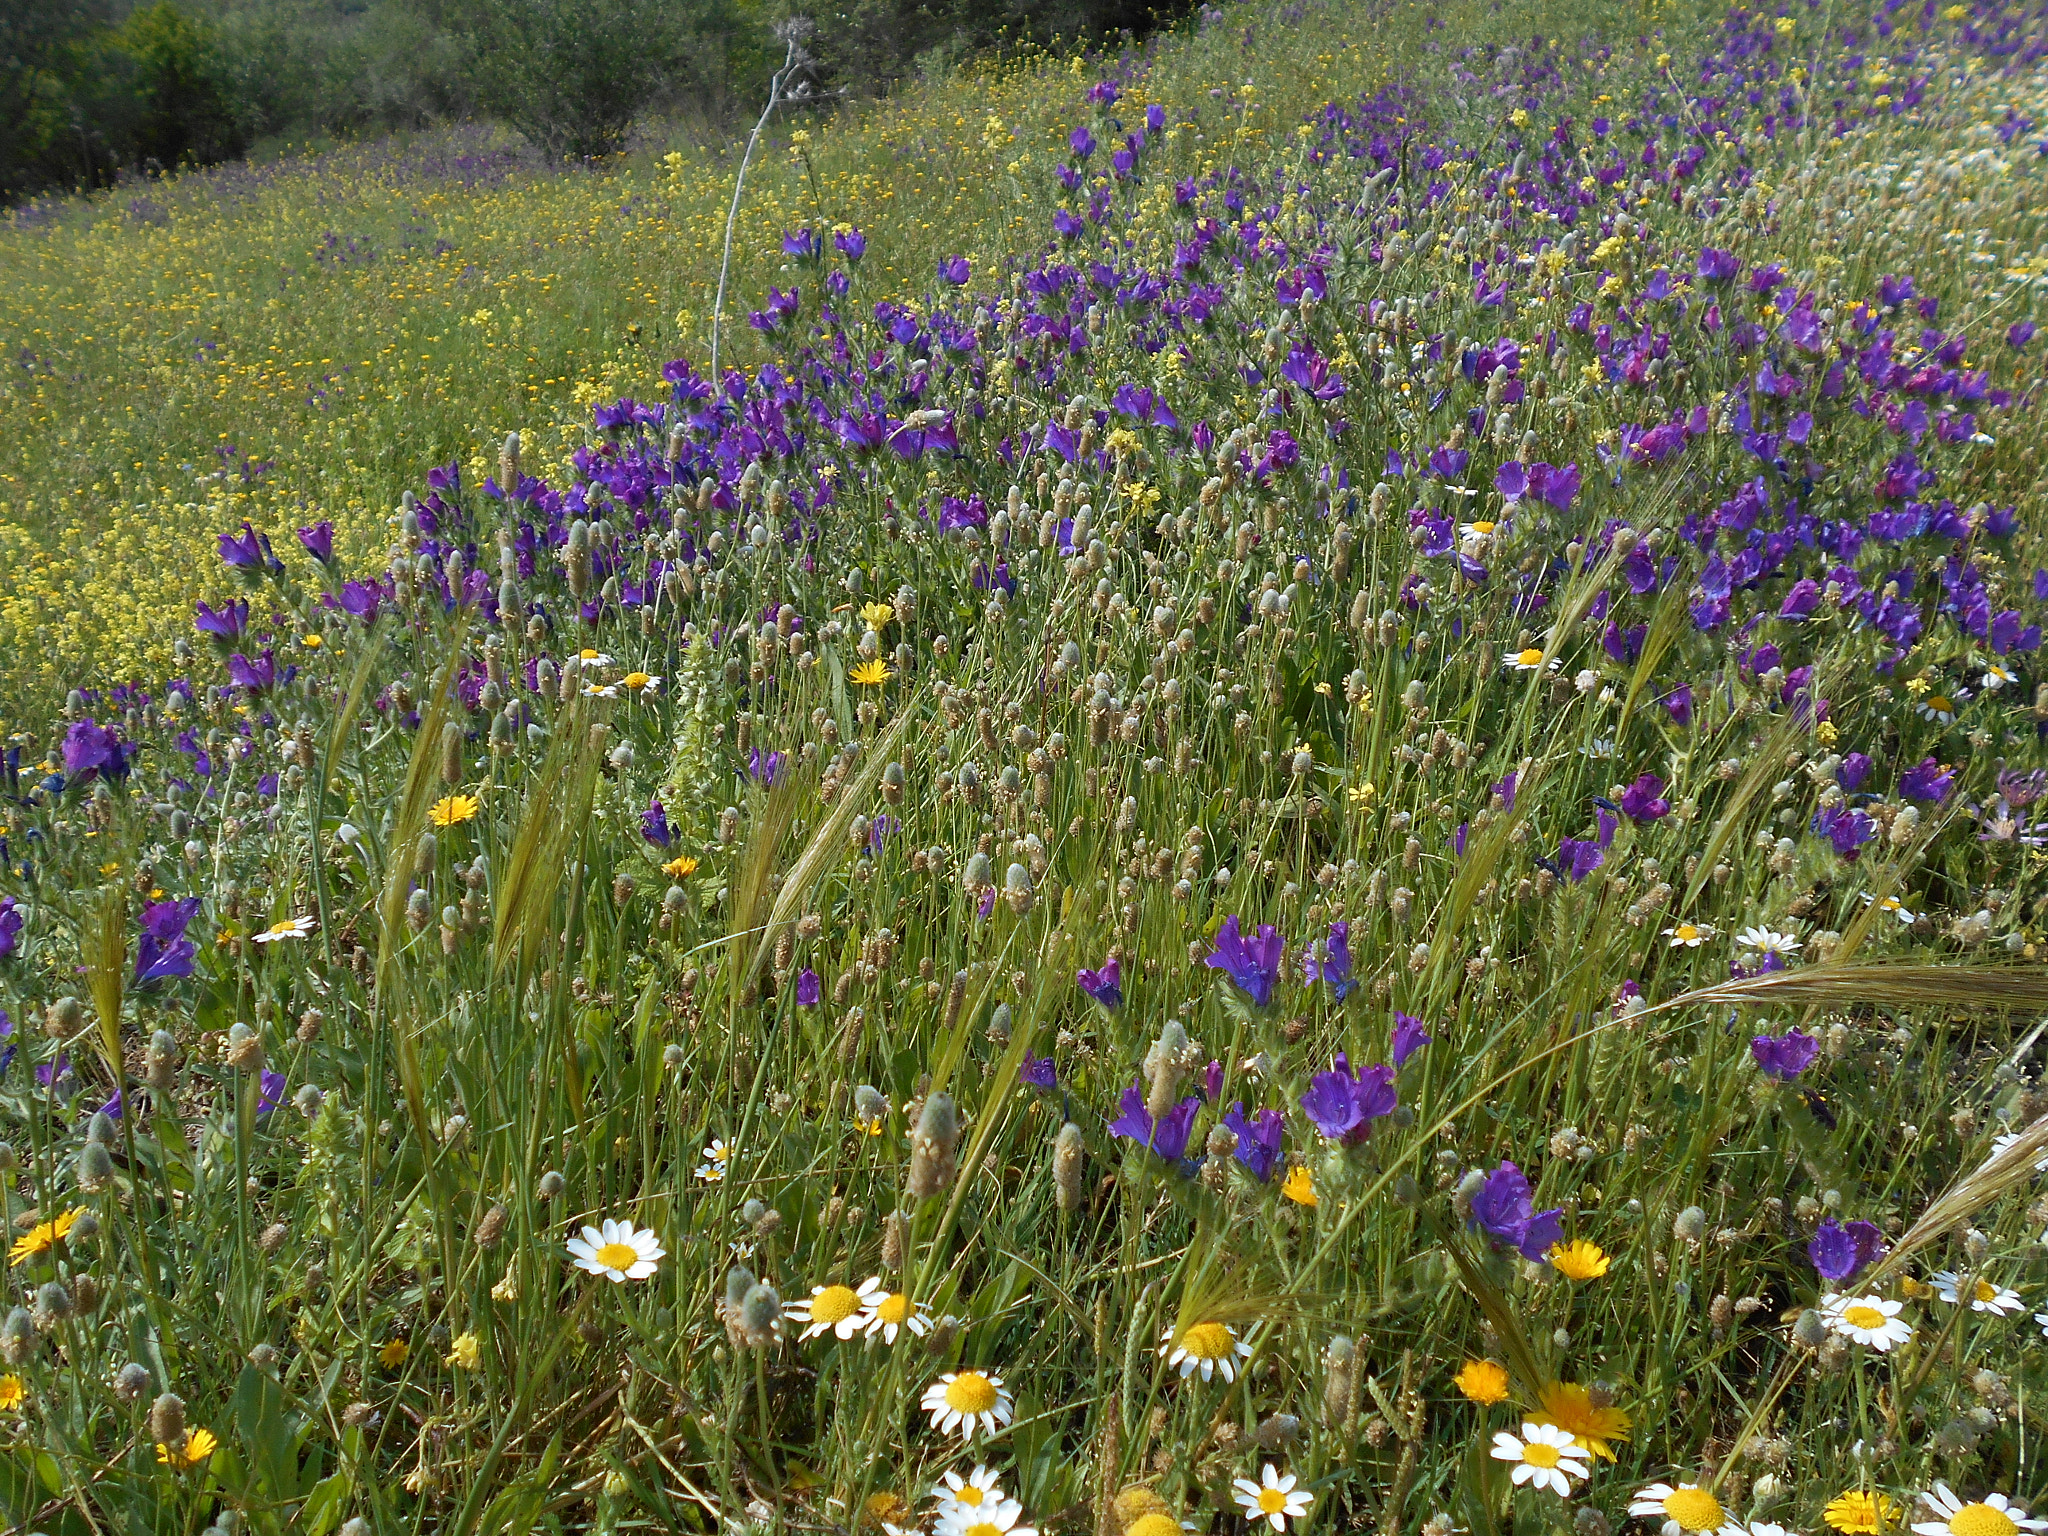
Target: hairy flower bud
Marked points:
933	1147
1068	1168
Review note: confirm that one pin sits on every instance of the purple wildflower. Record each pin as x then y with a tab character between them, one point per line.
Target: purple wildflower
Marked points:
1840	1252
318	541
10	928
1504	1209
1105	985
1784	1056
227	622
1252	964
1642	800
1927	780
765	767
654	823
1410	1036
1258	1139
1169	1138
1332	962
164	952
1038	1071
808	989
1343	1106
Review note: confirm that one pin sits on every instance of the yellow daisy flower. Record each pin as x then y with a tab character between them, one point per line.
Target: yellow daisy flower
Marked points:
1482	1381
1299	1185
1856	1513
13	1393
871	674
1594	1425
1579	1260
680	867
42	1237
450	810
393	1354
875	615
199	1444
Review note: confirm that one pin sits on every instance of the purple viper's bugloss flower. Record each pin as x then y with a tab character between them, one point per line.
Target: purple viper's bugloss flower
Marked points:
809	991
1504	1209
1258	1139
1927	781
954	270
1841	1252
1105	985
1038	1071
91	748
1332	962
1253	964
1342	1105
1784	1056
654	823
10	928
1410	1036
1642	800
1169	1138
226	623
318	541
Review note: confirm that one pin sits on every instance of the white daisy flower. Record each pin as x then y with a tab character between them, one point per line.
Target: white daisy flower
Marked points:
1870	1320
1211	1348
1533	660
1273	1498
717	1158
1688	935
603	691
1544	1456
1684	1508
1768	941
1998	1300
1992	1515
647	683
1940	707
618	1250
979	1490
999	1519
963	1402
1893	905
590	658
1997	677
286	928
890	1313
836	1309
1999	1144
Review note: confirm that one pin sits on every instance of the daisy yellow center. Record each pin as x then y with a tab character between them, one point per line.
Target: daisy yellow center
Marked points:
1686	931
636	680
970	1392
1482	528
1207	1341
1986	1291
617	1256
1530	658
1863	1317
894	1308
970	1495
1694	1509
1937	703
288	925
1981	1520
1537	1454
834	1304
982	1528
1272	1502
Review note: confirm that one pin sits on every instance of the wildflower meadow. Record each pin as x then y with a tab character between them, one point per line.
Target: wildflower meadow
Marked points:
1310	796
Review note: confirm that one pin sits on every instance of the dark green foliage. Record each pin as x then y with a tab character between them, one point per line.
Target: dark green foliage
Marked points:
83	98
572	76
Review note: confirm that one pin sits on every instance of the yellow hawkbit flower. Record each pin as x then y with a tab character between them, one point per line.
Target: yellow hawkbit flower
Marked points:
450	810
1482	1381
1578	1260
42	1237
393	1354
1299	1185
199	1444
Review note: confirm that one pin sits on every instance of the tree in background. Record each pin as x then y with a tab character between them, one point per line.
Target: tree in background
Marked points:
83	98
572	75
